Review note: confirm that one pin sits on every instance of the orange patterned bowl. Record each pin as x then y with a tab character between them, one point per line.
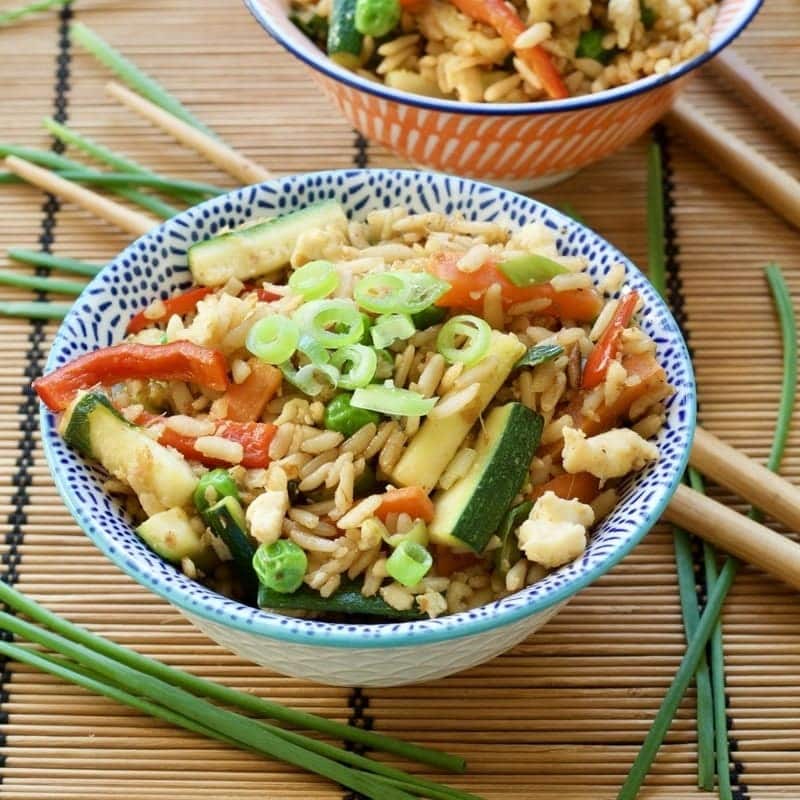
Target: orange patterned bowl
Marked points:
521	145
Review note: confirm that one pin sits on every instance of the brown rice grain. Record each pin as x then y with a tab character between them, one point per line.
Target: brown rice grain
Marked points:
474	258
330	586
281	441
315	479
571	282
189	426
384	432
457	468
403	365
603	319
529	306
431	375
515	577
360	512
363	561
455	402
304	518
335	473
449	378
649	426
317	544
322	442
391	451
477	374
493	306
360	439
220	449
374	577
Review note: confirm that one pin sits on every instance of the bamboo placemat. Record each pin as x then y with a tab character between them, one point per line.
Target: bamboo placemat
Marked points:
562	715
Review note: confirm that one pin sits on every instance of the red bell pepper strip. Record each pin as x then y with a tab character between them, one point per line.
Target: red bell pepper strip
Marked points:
501	16
246	401
264	295
607	346
176	361
467	290
255	438
180	304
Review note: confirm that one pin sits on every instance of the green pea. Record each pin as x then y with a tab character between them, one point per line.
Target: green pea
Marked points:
280	566
341	416
377	17
212	487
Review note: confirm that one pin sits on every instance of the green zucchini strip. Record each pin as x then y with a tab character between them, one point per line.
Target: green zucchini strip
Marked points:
225	694
684	562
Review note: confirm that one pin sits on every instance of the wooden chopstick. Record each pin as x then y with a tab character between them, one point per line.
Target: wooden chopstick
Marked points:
732	469
220	154
738	160
131	221
736	534
759	93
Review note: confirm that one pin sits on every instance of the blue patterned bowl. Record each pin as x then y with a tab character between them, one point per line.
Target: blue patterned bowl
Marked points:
375	655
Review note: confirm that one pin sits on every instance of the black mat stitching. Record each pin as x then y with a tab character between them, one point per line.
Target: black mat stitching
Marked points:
29	406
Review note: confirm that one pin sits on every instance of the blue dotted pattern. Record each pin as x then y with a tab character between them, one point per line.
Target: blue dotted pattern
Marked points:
155	267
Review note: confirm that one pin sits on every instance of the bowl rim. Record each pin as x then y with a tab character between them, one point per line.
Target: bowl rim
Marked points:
392	634
321	63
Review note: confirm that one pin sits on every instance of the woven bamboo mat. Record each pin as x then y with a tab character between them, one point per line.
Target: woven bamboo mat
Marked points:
562	715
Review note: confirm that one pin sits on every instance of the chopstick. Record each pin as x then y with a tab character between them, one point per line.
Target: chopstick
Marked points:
758	92
131	221
738	160
217	152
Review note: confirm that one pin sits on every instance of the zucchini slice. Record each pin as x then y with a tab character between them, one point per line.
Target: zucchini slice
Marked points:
226	520
260	248
438	440
171	535
161	477
344	41
471	510
347	599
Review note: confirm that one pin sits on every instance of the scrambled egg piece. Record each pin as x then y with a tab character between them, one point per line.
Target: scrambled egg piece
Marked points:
623	15
558	11
608	455
555	531
265	514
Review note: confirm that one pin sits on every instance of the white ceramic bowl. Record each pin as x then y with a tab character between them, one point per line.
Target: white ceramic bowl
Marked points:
347	654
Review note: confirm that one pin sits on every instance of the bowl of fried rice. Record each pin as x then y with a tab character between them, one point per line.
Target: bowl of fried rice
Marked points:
520	93
368	427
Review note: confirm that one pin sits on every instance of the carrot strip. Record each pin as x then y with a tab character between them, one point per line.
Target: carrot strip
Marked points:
501	16
581	486
246	401
180	304
411	500
607	345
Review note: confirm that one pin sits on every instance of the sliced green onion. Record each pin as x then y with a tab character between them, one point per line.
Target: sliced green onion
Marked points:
381	292
7	17
273	339
314	280
281	565
399	292
538	354
312	379
333	323
131	74
33	309
409	563
41	283
432	315
313	350
392	401
356	364
423	290
385	368
531	269
478	336
390	328
418	534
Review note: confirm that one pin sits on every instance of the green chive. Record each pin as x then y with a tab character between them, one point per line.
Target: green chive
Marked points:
33	309
7	17
228	723
657	263
59	163
132	75
89	679
119	162
54	262
709	620
571	211
225	694
41	283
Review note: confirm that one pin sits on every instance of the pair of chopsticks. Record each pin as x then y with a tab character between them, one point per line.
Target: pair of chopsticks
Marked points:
689	509
756	173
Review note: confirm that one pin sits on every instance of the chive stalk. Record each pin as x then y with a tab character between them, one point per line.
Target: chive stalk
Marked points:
709	619
225	694
690	608
14	14
60	163
121	163
32	309
195	190
228	723
54	262
41	283
128	72
91	680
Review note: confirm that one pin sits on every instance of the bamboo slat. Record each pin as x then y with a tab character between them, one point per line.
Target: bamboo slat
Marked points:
561	715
